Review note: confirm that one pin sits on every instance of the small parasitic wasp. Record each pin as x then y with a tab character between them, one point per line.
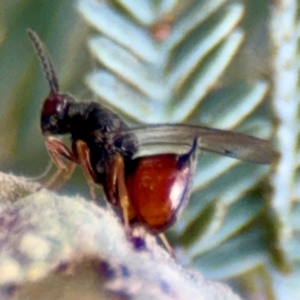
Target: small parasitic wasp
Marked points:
149	189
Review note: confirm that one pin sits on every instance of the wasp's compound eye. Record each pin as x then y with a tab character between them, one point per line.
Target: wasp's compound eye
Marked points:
54	104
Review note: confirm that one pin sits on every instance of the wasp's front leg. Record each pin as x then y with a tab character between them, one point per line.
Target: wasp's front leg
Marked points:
81	156
57	149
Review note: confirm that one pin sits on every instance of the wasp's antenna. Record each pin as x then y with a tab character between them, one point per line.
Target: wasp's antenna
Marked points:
45	61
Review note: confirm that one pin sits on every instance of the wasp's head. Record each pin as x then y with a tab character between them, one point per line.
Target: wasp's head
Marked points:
54	114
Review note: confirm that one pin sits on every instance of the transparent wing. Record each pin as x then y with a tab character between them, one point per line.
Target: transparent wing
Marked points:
177	138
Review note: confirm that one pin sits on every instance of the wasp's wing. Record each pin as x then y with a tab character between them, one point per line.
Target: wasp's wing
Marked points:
176	137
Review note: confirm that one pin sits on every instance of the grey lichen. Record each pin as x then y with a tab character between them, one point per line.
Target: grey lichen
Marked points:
61	247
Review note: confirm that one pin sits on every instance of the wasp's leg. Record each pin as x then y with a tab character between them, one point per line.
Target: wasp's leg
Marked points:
166	244
83	157
66	175
116	187
57	149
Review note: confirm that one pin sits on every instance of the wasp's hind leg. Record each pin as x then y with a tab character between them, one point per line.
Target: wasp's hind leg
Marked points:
166	244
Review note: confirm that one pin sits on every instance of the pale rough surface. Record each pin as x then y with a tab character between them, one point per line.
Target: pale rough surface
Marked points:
13	187
55	247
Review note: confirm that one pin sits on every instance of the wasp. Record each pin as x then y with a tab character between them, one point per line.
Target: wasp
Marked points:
148	189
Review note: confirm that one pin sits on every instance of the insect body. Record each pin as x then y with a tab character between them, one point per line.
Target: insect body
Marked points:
148	189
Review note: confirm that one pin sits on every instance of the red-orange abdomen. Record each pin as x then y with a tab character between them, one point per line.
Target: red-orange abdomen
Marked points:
157	186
